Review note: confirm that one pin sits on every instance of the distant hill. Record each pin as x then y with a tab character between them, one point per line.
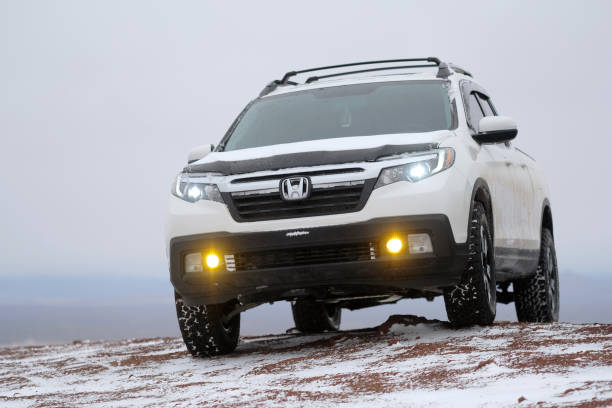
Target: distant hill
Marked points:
44	310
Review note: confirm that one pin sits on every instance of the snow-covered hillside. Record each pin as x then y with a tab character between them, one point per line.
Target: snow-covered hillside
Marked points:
407	361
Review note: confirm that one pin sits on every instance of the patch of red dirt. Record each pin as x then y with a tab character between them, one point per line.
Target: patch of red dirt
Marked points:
137	360
279	366
594	403
14	382
84	369
484	363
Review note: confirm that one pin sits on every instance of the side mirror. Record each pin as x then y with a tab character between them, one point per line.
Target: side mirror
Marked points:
199	152
496	129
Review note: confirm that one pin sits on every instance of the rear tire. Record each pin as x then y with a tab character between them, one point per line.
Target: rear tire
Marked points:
474	300
205	329
316	317
537	298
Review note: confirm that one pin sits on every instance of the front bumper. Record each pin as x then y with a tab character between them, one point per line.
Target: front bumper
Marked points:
448	192
386	274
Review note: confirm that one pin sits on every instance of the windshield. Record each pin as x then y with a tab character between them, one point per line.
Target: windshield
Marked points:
344	111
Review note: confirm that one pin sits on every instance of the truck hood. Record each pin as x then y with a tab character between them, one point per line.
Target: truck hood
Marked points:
317	152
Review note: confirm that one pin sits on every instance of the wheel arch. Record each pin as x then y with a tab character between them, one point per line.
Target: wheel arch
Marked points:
547	219
482	194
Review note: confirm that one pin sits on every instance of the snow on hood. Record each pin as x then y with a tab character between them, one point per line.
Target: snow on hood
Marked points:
303	151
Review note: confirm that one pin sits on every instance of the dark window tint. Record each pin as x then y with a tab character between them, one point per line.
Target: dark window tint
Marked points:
475	111
345	111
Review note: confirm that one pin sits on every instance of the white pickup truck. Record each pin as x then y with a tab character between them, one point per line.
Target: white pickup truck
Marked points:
357	188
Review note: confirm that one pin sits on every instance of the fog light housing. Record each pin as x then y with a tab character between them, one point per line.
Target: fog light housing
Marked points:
394	245
193	262
419	244
212	261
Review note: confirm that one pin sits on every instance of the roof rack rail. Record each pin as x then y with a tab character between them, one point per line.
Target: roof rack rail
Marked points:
316	78
444	70
289	74
460	70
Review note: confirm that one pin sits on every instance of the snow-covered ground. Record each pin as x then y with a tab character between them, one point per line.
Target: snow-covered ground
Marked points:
407	361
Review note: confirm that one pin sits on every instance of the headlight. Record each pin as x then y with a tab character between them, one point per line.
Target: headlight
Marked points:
423	166
192	191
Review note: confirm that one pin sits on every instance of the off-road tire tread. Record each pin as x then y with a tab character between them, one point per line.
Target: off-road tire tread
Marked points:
311	317
467	304
531	294
202	331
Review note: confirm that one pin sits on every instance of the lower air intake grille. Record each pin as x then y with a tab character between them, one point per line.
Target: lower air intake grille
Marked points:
278	258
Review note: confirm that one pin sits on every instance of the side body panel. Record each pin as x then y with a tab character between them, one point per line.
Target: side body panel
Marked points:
517	194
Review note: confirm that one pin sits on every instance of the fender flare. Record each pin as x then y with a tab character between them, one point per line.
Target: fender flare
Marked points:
481	193
546	212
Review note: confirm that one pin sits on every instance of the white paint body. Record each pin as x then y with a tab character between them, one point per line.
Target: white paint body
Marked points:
199	152
517	189
496	123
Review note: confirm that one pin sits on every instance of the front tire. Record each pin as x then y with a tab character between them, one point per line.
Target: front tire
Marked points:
474	300
205	328
315	317
537	298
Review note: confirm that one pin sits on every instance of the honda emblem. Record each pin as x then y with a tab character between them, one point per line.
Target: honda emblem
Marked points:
295	188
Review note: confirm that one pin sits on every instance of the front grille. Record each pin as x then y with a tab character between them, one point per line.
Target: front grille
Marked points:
248	261
333	199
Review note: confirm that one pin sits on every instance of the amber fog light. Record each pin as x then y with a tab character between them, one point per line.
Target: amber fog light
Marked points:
419	244
394	245
193	262
212	261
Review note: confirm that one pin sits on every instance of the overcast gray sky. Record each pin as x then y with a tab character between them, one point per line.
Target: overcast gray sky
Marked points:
100	102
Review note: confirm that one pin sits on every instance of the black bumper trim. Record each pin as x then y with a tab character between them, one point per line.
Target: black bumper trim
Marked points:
386	274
